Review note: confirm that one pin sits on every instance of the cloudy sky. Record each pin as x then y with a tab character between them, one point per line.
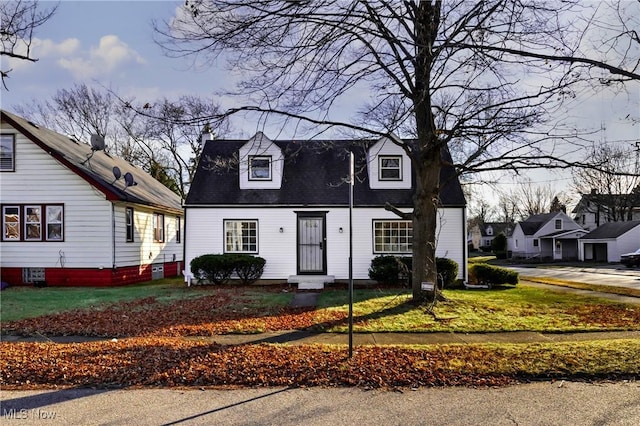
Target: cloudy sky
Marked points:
110	43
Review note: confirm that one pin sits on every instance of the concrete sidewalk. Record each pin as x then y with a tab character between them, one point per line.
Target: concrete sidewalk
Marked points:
302	337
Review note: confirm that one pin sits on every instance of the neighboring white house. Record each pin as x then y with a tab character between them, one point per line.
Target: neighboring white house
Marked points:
288	202
482	234
550	236
73	215
607	242
596	209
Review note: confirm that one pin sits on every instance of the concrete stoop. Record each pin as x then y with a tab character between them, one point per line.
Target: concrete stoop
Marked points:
310	282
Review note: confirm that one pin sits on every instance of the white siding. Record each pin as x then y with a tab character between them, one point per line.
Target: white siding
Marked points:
93	226
40	179
143	249
386	147
204	235
260	145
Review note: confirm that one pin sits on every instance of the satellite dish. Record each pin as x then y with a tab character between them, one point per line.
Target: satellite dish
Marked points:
116	172
97	143
128	178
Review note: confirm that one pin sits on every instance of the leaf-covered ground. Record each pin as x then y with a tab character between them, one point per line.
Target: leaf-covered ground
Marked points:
151	349
204	316
171	362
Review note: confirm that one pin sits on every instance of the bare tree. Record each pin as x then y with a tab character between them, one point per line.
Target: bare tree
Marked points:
166	145
483	79
18	22
611	183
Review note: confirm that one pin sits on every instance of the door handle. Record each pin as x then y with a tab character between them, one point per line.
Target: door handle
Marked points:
320	244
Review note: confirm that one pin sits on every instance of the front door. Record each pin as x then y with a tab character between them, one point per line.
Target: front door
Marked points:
311	244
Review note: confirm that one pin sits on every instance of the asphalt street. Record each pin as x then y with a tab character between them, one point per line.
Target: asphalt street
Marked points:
618	276
541	403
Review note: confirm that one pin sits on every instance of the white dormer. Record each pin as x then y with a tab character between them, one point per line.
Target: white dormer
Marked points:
261	164
489	230
389	166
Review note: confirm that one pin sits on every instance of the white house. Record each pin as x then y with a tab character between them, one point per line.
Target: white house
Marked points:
607	242
75	215
482	234
550	236
596	209
288	202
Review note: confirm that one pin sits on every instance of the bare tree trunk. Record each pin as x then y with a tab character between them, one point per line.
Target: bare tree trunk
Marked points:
425	216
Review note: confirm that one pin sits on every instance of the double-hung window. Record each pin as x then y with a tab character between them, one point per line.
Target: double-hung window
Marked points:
129	224
260	167
241	236
390	167
392	236
7	153
158	228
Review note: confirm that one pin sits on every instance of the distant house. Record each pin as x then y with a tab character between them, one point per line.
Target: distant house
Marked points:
607	242
596	209
482	235
74	215
550	236
288	202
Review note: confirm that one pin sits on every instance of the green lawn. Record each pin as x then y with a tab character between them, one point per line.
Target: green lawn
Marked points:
520	308
27	302
517	308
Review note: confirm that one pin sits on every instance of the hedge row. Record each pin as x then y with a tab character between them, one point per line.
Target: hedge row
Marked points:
218	268
484	274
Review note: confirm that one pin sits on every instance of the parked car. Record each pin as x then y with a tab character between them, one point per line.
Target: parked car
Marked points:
631	259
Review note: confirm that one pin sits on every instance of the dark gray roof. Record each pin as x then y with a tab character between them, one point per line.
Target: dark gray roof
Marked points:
97	169
606	200
533	223
314	175
611	230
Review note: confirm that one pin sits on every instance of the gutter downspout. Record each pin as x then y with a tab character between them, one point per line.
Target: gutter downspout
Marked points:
465	247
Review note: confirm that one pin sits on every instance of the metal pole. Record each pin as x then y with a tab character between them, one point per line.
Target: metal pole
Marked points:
351	183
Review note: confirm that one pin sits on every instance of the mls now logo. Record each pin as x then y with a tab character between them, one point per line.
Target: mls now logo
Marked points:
23	414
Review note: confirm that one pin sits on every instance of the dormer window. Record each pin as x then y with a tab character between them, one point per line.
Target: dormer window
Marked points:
260	167
390	167
558	224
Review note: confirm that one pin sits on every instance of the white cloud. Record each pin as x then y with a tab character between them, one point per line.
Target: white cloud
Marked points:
110	55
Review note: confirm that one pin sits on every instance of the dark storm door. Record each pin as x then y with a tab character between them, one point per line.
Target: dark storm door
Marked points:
311	244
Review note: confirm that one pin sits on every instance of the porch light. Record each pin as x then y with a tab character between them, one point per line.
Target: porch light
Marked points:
340	230
281	229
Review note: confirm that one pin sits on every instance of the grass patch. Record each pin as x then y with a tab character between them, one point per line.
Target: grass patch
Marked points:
18	303
623	291
522	308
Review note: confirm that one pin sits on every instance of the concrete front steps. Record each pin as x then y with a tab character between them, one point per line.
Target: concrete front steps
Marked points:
310	282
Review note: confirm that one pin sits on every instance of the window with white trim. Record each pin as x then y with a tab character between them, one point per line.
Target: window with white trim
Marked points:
129	224
260	167
7	152
158	227
54	223
33	223
390	167
241	236
178	229
392	236
11	223
558	223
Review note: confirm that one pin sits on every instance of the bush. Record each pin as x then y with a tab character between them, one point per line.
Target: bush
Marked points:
249	268
394	270
218	268
388	269
447	272
484	274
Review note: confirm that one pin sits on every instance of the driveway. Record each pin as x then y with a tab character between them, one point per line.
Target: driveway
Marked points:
618	276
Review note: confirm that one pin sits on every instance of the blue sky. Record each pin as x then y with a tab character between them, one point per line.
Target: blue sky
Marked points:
111	43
